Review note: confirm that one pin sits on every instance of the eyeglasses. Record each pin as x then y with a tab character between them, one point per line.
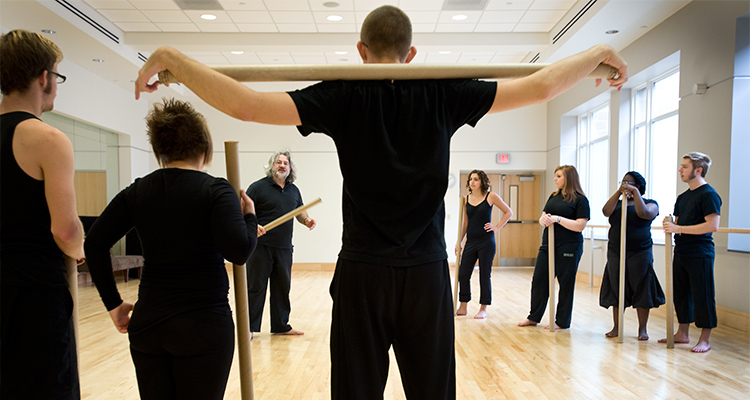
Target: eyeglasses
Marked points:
60	78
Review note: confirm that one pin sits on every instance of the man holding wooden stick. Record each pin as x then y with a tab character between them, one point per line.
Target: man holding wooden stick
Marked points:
271	262
392	285
697	214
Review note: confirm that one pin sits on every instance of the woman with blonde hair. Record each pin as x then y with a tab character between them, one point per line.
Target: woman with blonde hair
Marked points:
567	212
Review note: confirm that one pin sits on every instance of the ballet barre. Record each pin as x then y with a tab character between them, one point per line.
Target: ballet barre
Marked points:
329	72
668	285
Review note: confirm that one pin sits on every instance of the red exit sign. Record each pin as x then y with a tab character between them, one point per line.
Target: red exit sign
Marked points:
503	158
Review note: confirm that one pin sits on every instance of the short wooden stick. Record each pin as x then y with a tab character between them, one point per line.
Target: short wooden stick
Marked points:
669	285
331	72
242	310
551	265
623	256
291	214
458	256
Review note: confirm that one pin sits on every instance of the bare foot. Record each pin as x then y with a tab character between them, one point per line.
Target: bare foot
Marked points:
461	309
251	335
701	347
527	322
642	335
482	314
677	339
613	333
291	332
557	328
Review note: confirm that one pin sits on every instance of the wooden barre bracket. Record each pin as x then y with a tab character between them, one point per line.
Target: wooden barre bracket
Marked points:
294	73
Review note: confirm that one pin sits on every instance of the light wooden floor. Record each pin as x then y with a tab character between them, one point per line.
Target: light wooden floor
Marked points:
495	358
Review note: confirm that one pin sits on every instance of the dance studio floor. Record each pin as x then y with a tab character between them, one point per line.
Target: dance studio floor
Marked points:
495	358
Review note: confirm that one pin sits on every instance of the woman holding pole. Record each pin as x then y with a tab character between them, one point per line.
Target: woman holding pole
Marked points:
480	240
181	332
567	211
642	288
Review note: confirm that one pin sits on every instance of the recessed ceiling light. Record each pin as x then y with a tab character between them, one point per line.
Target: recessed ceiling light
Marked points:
444	52
459	17
341	53
644	26
208	17
238	52
334	18
48	31
612	32
330	4
99	60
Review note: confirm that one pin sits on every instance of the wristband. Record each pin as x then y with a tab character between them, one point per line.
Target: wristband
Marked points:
558	219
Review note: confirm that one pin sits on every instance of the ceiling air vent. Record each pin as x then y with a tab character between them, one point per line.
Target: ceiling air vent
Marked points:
111	36
142	57
573	21
534	59
464	5
198	4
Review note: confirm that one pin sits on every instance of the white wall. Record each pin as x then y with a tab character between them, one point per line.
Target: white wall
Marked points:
703	33
520	133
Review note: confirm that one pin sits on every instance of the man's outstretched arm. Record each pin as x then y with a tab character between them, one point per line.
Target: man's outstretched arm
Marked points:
549	82
221	92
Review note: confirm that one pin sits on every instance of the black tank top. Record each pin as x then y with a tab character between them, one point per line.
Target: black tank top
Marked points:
478	216
29	256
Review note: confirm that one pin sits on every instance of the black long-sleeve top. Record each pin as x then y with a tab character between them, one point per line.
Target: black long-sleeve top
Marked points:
188	223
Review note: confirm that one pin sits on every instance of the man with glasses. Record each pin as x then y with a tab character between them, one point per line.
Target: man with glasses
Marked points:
38	225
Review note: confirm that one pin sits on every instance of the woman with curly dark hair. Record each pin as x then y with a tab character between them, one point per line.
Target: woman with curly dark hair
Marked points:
480	240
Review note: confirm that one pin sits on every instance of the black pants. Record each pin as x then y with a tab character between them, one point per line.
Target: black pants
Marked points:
185	357
274	265
567	256
694	297
37	344
485	252
376	307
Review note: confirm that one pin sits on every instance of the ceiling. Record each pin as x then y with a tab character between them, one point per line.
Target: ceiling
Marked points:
122	33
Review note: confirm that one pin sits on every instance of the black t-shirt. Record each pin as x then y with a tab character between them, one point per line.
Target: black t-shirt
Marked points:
393	143
271	202
578	208
639	230
692	207
188	222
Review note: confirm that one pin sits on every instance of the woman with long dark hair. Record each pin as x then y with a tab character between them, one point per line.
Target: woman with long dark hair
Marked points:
567	212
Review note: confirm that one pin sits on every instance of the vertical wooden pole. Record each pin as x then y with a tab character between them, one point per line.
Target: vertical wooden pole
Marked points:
551	268
623	256
458	256
591	270
669	284
241	308
72	275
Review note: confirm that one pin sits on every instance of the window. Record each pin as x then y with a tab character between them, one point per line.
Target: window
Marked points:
653	143
593	161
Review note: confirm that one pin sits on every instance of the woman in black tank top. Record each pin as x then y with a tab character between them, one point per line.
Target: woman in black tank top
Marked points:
480	240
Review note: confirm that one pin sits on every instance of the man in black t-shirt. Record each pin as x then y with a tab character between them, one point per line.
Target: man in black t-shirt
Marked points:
697	213
392	284
271	262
